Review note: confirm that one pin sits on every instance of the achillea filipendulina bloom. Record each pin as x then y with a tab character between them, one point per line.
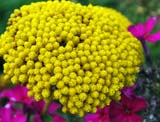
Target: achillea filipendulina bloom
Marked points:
81	56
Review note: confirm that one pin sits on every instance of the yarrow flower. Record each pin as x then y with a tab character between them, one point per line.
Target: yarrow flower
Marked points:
142	31
18	94
81	56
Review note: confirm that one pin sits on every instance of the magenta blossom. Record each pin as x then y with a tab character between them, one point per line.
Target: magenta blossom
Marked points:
129	91
125	111
10	114
142	31
52	108
102	115
18	94
37	118
39	106
58	118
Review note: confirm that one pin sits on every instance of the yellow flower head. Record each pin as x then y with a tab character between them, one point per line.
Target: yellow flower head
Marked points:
80	55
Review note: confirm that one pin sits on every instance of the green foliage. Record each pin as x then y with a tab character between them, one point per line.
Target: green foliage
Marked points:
148	84
7	7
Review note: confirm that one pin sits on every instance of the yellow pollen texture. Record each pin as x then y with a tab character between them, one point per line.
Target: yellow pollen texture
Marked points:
81	56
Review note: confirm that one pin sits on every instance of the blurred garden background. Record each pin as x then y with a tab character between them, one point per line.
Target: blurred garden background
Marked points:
137	11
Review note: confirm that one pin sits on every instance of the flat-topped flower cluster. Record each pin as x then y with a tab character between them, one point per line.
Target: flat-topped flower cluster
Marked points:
81	56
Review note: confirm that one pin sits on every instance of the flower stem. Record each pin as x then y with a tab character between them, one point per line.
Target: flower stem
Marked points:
46	107
28	116
146	51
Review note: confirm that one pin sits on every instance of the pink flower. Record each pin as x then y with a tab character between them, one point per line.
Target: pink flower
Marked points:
58	118
142	31
53	107
9	114
38	106
37	118
5	114
102	115
129	91
17	94
19	117
125	111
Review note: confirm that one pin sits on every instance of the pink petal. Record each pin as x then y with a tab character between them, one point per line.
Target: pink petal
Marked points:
38	105
100	110
53	107
19	117
121	117
21	92
137	30
5	114
139	104
17	94
37	118
9	104
58	118
92	117
102	115
105	119
115	109
134	104
129	117
129	91
8	93
134	118
153	37
149	25
106	110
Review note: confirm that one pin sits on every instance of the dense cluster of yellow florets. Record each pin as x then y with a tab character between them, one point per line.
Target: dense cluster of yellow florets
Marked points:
80	55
